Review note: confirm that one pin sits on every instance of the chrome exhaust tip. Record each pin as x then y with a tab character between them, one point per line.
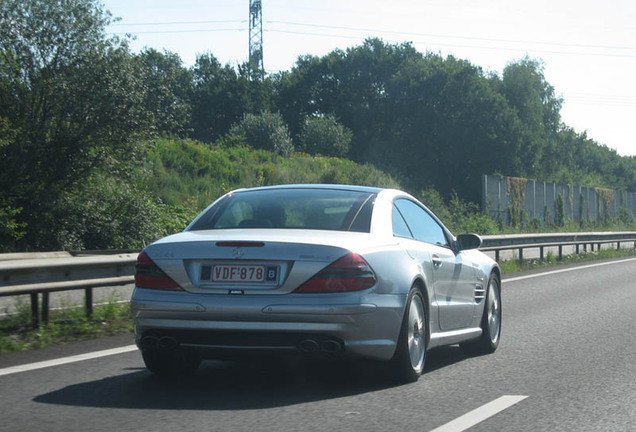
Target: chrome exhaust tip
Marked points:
331	346
308	346
149	342
168	343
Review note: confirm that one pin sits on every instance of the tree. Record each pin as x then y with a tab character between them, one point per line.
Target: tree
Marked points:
352	85
524	85
168	90
10	229
74	99
222	96
324	135
450	126
422	117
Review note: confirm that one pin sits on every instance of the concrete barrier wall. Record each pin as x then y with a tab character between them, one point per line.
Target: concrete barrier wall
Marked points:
511	200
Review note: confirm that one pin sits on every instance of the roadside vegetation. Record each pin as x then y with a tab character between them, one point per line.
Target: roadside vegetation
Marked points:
104	148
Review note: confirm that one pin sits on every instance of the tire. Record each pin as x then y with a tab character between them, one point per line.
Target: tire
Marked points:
490	321
171	363
407	363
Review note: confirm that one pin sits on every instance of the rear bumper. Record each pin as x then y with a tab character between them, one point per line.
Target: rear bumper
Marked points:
362	325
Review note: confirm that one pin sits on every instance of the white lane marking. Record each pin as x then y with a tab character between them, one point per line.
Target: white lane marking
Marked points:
66	360
567	270
480	414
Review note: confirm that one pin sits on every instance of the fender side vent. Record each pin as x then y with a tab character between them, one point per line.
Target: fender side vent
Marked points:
480	293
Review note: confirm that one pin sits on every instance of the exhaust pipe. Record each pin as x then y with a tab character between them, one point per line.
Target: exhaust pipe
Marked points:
308	346
149	342
168	343
331	346
159	343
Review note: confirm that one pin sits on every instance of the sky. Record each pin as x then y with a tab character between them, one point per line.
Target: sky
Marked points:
588	47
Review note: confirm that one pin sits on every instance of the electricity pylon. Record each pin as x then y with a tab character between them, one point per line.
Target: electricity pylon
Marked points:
256	40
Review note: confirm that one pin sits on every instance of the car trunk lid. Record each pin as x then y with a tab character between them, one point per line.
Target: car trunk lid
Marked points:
250	261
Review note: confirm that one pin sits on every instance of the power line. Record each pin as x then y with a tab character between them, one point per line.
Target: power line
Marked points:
179	23
375	30
179	31
445	36
452	45
526	45
600	99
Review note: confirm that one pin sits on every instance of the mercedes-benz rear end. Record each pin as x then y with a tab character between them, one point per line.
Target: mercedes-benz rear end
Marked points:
267	271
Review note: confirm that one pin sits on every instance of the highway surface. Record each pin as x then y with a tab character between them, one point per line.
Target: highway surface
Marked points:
566	362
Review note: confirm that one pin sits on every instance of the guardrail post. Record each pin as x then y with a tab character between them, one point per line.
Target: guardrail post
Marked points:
45	307
541	253
577	249
520	254
618	246
35	311
560	253
89	302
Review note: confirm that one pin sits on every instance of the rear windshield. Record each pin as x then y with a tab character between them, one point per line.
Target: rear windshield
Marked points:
323	209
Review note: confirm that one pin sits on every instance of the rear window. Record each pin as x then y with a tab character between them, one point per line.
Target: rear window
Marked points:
322	209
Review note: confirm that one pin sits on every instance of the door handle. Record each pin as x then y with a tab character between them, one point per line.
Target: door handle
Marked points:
437	262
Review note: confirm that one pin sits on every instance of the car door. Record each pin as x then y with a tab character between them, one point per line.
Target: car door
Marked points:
453	279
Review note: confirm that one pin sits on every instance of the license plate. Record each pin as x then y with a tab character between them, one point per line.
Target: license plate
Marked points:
239	273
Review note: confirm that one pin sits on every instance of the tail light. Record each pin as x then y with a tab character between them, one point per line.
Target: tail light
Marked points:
349	273
148	275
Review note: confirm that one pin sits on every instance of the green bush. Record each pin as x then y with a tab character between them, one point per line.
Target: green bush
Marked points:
107	213
434	201
266	131
458	215
324	135
467	217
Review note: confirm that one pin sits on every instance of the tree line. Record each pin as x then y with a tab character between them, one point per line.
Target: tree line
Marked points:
79	112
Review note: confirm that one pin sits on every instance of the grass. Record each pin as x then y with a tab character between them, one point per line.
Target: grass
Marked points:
191	173
551	260
69	324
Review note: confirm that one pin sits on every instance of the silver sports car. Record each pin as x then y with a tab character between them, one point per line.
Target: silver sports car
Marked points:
314	270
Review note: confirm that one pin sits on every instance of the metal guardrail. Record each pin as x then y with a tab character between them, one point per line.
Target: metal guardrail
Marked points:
38	274
520	242
44	273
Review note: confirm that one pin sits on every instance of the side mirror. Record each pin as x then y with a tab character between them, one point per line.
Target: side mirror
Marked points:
468	241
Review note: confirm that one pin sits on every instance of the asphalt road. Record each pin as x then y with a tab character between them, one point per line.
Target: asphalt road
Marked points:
567	347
